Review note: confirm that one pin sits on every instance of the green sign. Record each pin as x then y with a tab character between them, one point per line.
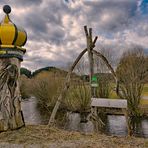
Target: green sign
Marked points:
94	79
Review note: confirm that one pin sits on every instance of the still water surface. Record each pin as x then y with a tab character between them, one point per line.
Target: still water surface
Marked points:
116	125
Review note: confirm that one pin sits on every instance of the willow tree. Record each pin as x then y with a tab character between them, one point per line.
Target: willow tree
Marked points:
131	72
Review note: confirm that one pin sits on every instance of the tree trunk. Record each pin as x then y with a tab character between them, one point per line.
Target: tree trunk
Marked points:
11	116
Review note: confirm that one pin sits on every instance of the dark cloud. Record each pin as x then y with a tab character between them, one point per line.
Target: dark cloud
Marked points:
38	61
36	25
55	28
21	3
27	3
111	15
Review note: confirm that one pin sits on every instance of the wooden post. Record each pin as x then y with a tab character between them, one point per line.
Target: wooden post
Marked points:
96	122
90	54
91	68
10	110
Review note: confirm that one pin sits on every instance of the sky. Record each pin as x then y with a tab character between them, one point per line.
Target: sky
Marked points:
55	27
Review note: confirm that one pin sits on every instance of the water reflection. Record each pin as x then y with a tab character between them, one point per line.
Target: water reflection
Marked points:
74	123
116	125
30	111
145	127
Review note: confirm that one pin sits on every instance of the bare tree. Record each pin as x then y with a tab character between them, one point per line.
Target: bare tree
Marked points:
131	73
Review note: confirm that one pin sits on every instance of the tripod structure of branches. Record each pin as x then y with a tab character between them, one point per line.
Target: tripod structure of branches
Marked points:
90	50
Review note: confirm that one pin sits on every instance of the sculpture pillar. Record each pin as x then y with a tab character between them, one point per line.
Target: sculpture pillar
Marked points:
11	55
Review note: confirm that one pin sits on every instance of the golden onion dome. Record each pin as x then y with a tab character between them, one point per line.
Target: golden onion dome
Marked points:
10	34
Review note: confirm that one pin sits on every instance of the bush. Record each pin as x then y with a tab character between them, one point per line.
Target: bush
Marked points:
78	98
24	86
104	86
131	73
46	88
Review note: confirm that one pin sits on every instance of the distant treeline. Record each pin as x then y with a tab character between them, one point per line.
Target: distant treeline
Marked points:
26	72
29	74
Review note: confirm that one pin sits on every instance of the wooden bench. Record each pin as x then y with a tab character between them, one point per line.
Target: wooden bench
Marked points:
109	103
106	102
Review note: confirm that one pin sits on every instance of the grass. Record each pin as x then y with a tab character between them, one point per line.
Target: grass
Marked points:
35	134
144	102
113	95
145	90
78	98
44	136
145	94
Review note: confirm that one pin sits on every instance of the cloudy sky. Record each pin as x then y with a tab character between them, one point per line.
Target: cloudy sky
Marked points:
55	27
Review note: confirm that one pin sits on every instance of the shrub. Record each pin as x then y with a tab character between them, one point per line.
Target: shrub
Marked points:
46	88
104	86
24	86
78	98
131	73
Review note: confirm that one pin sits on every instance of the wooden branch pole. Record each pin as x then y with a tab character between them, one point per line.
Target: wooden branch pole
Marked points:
90	54
90	46
66	86
106	62
110	68
89	50
67	81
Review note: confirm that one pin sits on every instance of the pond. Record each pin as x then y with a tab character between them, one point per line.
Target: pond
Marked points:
116	124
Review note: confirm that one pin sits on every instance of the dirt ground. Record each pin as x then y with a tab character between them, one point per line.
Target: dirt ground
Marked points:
44	137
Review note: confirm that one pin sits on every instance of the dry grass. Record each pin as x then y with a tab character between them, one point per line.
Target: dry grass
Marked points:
36	134
46	87
145	90
144	102
60	138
